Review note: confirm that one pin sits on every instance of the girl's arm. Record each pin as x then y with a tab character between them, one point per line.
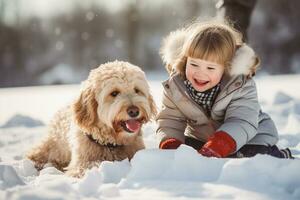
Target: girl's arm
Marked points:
171	123
241	117
240	123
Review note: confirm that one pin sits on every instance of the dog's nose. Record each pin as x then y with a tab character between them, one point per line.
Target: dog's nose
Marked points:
133	111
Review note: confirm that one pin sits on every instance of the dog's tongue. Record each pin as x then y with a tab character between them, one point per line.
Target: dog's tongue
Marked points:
133	125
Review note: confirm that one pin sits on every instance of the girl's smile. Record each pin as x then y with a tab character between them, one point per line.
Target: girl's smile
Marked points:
200	83
203	74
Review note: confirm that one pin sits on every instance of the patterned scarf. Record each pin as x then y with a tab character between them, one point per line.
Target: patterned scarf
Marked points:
204	99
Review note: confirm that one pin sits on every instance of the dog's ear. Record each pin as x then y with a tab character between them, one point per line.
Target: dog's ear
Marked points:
85	109
152	107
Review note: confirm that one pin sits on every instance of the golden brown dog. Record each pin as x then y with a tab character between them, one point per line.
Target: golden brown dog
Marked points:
104	123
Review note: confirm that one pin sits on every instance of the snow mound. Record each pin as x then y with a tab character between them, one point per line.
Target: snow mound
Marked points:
58	189
90	183
109	190
113	172
281	98
165	173
262	173
22	120
296	108
26	168
265	174
60	74
292	125
9	177
170	171
173	165
108	172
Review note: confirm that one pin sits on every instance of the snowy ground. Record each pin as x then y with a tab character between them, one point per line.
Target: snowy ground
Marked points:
152	173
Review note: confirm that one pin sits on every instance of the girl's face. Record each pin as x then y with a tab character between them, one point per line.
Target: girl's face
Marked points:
203	74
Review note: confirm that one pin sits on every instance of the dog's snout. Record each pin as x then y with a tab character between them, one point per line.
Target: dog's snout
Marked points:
133	111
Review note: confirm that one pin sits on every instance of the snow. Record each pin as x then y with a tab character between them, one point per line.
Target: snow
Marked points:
152	173
21	120
282	98
9	177
61	73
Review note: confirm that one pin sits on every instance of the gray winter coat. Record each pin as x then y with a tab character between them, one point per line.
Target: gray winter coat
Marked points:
236	109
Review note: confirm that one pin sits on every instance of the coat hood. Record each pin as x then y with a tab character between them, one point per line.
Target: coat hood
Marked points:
245	62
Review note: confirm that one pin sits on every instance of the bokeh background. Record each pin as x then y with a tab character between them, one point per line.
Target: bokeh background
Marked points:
58	41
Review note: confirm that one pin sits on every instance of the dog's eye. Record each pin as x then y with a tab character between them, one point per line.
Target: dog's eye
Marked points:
136	90
114	93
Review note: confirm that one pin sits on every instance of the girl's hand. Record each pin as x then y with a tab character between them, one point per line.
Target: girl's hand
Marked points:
170	143
207	152
219	145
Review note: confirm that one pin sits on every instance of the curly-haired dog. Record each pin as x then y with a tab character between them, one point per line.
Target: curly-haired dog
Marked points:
104	123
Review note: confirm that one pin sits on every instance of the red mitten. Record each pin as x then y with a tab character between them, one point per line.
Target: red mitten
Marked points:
170	143
219	145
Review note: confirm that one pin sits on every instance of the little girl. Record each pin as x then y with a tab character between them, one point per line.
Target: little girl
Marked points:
210	100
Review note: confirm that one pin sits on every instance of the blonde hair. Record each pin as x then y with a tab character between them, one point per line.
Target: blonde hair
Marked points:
214	41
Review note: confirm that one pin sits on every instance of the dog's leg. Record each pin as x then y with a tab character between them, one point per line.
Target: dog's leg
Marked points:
54	148
40	153
77	167
50	151
79	171
81	160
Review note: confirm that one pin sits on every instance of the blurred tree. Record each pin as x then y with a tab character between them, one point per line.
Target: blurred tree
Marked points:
89	33
2	9
274	32
11	58
132	17
237	12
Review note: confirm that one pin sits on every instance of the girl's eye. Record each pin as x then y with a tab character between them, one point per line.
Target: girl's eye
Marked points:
114	93
194	65
210	68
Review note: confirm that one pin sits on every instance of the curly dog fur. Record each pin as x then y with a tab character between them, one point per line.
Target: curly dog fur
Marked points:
104	122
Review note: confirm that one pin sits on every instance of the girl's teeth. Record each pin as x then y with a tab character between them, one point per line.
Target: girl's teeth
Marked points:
201	82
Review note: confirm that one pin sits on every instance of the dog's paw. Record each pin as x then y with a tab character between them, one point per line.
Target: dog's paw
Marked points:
39	165
79	170
75	173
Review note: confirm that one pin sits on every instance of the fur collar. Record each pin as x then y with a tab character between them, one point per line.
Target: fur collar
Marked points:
244	62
